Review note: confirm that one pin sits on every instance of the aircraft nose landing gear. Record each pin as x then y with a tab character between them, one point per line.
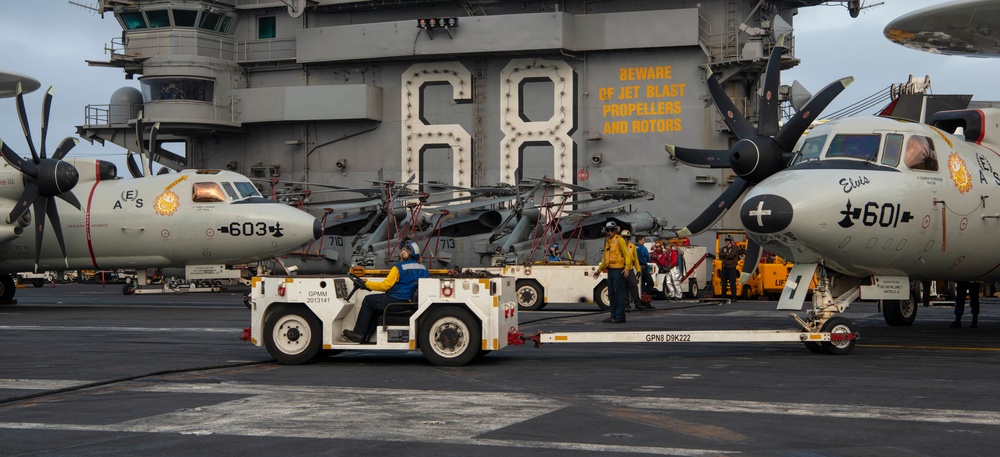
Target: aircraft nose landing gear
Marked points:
822	318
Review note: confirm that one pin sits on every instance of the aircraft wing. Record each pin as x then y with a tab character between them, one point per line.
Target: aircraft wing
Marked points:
963	27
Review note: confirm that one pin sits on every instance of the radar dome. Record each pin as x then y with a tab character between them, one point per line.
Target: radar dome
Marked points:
126	103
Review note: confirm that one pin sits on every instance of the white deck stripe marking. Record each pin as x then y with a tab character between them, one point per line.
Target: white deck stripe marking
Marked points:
401	415
808	409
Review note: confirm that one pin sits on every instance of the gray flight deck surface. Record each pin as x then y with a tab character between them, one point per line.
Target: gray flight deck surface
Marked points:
168	375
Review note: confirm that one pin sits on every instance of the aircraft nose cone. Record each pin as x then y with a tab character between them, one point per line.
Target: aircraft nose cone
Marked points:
766	213
317	229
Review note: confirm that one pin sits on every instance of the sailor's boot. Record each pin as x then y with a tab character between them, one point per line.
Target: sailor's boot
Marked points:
957	323
975	321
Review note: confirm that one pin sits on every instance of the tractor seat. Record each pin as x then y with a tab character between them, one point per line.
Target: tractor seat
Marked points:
398	313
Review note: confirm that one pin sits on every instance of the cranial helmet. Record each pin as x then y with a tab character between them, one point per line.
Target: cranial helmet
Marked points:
626	233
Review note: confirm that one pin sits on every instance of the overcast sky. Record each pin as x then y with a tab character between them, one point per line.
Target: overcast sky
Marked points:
52	47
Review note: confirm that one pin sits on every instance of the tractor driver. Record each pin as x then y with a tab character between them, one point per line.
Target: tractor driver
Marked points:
399	286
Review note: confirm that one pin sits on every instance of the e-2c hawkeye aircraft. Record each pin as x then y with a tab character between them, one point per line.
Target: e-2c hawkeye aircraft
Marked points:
871	203
192	217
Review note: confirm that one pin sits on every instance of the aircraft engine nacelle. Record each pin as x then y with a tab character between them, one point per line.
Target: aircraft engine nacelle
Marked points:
94	169
493	218
641	222
10	231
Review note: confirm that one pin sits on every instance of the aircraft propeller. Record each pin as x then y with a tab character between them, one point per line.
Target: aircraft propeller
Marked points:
761	151
45	178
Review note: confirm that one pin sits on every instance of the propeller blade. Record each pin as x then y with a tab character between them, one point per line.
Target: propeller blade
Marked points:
792	130
26	167
750	260
768	107
68	197
133	167
27	197
737	123
64	147
702	158
22	115
53	215
718	208
46	106
40	205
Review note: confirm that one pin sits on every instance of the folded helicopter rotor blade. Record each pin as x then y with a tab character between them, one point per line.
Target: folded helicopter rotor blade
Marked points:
768	109
64	147
133	166
22	115
24	166
29	195
718	208
800	121
702	158
736	121
53	213
46	106
750	261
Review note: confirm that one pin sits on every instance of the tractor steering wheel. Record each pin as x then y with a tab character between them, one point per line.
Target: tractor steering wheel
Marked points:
358	284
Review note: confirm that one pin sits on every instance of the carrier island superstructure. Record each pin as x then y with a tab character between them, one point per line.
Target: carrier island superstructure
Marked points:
461	93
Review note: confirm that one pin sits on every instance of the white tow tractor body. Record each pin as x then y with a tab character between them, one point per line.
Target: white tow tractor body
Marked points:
453	320
539	284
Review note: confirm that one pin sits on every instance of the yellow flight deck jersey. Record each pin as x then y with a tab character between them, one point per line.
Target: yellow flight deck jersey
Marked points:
616	254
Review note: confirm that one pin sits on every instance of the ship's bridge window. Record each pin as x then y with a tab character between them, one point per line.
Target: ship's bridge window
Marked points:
920	154
210	21
854	146
893	149
158	18
156	89
247	189
133	20
266	27
811	148
185	18
205	192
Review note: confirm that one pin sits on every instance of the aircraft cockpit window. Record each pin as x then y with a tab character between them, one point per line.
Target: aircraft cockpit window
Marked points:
854	146
893	149
811	149
230	191
920	154
247	189
207	192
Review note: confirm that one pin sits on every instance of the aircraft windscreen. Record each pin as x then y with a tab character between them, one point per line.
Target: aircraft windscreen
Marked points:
205	192
854	146
230	191
247	189
811	149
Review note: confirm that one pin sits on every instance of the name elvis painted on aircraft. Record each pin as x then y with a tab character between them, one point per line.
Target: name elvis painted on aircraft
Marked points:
850	184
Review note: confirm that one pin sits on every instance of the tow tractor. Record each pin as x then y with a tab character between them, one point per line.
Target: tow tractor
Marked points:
457	318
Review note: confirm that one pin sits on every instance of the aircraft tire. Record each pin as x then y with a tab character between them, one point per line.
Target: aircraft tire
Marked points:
815	348
529	295
899	313
7	288
838	325
292	334
128	288
450	336
38	282
601	296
